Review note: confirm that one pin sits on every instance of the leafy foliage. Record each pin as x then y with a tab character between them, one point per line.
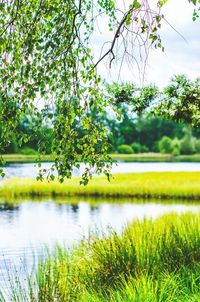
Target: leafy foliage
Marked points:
165	145
180	101
125	149
28	151
45	63
48	73
197	9
187	144
138	148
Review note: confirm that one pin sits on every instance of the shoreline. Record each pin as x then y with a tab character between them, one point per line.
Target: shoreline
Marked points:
143	157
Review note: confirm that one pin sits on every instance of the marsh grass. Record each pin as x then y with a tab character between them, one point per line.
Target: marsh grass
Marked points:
165	185
151	261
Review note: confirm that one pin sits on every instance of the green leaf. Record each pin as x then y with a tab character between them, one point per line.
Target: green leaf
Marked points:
136	4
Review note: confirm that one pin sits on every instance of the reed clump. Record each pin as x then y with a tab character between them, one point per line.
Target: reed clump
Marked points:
151	261
164	185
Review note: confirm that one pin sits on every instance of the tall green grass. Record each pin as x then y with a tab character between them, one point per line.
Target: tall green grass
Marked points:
176	185
151	261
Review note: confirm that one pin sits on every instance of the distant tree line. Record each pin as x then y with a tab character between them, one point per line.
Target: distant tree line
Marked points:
131	122
131	135
153	120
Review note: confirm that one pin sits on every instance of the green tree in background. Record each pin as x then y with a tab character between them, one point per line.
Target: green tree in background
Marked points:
181	101
132	127
141	129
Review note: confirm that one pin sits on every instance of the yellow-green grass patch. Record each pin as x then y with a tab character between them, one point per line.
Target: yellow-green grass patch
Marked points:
176	185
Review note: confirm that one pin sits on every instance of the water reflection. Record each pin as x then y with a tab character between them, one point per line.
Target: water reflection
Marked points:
33	223
8	207
27	226
75	208
8	213
31	170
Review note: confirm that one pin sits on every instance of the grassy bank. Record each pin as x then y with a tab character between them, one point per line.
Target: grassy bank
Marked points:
21	158
165	185
155	157
151	261
143	157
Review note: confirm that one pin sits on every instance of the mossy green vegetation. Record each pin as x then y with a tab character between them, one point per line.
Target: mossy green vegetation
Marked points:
151	261
163	185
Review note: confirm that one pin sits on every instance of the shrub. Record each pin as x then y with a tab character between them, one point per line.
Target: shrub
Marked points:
165	145
138	148
176	151
125	149
144	149
28	151
176	147
187	143
197	145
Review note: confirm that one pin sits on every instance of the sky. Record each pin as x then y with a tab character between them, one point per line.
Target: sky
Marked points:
181	55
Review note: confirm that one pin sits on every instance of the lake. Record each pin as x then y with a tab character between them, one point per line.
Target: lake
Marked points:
29	225
31	170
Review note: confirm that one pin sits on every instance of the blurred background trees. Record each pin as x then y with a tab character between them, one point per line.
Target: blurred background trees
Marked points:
130	121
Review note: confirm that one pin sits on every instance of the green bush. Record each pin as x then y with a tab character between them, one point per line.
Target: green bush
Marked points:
197	145
187	143
125	149
165	145
176	151
144	149
28	151
138	148
176	147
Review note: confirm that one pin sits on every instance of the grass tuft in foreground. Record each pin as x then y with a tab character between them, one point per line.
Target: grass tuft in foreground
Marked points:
165	185
151	261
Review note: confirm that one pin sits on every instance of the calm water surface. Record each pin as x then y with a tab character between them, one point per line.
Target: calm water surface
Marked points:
31	170
28	226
